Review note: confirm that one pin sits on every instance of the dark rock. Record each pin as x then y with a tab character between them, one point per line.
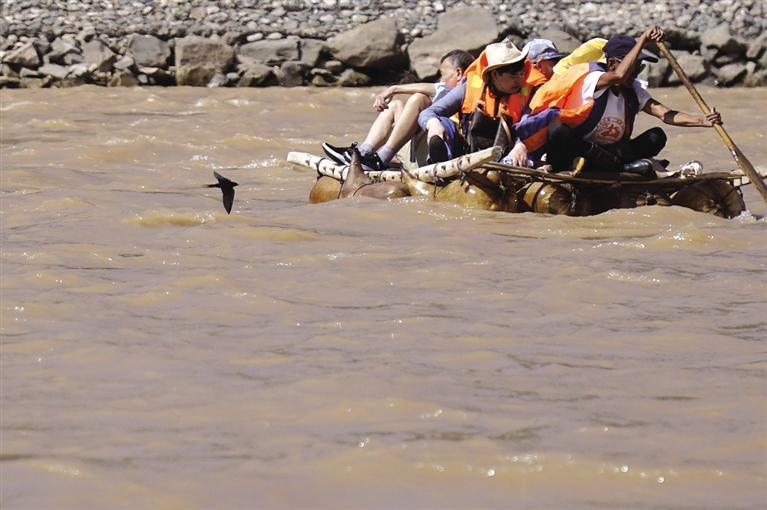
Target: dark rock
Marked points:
99	54
9	82
256	75
469	28
269	51
291	74
35	83
199	59
123	79
352	78
375	45
148	50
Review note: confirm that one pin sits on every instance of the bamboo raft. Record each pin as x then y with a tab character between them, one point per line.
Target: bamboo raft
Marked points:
477	180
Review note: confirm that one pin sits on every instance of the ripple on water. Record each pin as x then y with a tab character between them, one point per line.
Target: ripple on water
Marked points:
168	218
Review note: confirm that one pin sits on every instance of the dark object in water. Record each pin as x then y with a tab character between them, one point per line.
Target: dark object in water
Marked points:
227	188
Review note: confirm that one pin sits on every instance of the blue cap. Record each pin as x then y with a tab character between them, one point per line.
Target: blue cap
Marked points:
620	45
542	49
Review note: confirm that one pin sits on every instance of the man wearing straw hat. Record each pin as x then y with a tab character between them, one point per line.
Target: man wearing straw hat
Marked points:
489	101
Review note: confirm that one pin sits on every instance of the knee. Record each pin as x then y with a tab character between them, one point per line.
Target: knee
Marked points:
419	101
657	137
396	105
559	132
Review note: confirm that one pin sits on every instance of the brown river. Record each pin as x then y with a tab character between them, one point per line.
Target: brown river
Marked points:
158	353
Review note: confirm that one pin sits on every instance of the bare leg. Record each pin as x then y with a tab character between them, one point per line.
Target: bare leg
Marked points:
382	126
406	123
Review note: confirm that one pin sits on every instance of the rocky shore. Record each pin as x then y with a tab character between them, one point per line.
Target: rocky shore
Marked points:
251	43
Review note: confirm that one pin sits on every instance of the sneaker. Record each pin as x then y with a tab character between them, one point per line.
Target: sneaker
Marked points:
371	163
341	155
437	150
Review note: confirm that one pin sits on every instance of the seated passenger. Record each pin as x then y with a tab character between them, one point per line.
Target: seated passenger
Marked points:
544	56
589	111
492	97
397	121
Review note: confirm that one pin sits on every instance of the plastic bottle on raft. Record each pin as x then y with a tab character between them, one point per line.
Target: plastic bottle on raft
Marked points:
691	169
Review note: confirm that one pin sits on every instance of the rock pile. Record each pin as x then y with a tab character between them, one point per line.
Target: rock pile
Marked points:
252	43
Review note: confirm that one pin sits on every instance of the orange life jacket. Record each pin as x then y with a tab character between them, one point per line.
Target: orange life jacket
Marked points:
564	92
479	95
561	100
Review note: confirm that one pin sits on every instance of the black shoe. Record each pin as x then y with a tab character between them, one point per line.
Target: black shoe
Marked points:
372	163
437	150
643	167
341	155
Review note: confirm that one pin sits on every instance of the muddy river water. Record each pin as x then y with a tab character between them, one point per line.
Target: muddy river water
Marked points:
158	353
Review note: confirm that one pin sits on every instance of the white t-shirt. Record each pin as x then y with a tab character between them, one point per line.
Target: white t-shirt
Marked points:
612	125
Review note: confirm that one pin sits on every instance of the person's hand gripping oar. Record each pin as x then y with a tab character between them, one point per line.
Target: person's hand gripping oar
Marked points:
740	158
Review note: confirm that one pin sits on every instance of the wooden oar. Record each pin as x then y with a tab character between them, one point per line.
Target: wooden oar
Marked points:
740	158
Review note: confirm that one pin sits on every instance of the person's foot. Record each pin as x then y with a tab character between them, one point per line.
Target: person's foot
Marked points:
341	155
437	150
371	162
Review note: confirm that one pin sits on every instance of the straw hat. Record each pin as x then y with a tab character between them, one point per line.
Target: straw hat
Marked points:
501	54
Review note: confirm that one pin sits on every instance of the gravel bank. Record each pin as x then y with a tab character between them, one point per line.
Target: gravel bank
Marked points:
297	42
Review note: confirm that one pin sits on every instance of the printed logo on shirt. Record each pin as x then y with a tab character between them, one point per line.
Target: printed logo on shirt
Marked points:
609	130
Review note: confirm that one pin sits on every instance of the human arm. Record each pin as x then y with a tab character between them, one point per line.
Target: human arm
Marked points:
676	118
624	71
380	103
449	105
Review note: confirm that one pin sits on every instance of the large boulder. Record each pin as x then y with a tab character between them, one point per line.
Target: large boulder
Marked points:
694	67
720	38
657	73
256	75
269	51
469	29
731	74
54	70
373	45
291	74
149	51
199	59
311	51
757	47
97	53
61	47
25	56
